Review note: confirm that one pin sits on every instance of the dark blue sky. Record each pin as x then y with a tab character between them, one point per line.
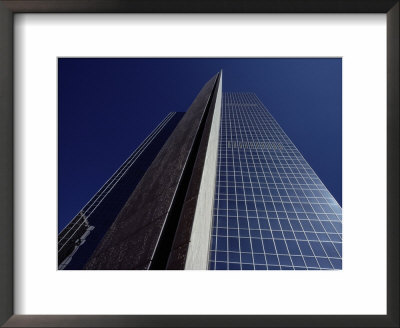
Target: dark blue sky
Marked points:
108	106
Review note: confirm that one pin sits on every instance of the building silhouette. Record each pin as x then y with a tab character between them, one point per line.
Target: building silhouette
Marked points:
221	187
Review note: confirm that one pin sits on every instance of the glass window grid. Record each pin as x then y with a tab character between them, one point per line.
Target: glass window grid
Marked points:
299	217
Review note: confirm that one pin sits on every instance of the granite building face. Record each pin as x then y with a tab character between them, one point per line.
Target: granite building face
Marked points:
221	187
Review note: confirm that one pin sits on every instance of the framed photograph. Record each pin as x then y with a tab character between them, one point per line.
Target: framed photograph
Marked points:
270	210
181	163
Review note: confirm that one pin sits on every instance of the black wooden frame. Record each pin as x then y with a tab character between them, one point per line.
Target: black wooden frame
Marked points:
7	10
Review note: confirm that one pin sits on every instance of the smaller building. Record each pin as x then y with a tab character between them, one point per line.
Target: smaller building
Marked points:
78	240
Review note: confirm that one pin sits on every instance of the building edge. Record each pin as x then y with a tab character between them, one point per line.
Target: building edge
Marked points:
200	239
179	250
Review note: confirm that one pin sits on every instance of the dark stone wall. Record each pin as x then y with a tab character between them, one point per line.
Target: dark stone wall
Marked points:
152	212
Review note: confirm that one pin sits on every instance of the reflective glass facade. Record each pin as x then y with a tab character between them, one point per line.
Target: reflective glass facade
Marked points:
271	210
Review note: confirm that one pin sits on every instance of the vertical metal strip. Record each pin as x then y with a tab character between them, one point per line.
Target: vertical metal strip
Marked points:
197	257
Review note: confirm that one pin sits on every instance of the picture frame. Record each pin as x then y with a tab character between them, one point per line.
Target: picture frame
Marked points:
7	10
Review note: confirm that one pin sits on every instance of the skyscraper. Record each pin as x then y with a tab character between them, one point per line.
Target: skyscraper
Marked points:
227	190
271	210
